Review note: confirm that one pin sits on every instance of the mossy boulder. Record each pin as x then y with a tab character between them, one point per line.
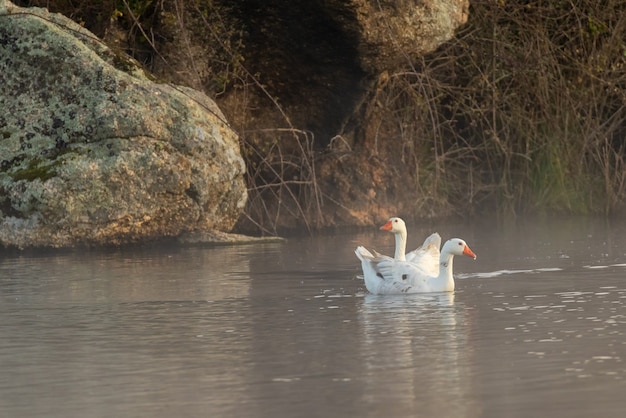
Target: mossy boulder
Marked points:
92	152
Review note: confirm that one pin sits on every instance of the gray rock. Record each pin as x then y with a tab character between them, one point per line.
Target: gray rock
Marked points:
217	238
92	152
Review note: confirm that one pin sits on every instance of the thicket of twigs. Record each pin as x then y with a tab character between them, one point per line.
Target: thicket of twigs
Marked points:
523	112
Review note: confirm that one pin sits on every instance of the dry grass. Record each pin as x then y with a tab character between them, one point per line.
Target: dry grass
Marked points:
523	112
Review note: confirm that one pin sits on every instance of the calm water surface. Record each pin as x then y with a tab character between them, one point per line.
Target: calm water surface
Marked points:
537	327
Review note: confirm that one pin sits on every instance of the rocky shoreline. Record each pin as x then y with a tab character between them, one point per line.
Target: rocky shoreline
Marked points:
93	152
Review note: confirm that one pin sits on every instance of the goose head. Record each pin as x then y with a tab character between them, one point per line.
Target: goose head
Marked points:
394	225
457	246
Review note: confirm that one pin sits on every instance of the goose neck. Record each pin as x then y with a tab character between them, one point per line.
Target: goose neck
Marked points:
446	261
400	246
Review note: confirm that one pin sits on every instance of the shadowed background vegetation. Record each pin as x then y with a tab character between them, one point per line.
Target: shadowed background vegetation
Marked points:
523	112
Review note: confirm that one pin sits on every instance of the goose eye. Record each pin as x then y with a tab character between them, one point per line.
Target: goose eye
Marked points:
460	243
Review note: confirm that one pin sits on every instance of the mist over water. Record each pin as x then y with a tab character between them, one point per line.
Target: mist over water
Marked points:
536	327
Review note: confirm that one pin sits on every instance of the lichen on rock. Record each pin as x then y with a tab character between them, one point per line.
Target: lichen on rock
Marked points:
92	152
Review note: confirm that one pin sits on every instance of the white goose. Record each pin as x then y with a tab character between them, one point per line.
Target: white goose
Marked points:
426	256
386	275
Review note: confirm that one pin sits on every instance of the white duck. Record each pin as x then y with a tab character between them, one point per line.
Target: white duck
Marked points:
385	275
426	256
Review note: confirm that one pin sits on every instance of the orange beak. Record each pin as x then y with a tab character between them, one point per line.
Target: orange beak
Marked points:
468	252
387	226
